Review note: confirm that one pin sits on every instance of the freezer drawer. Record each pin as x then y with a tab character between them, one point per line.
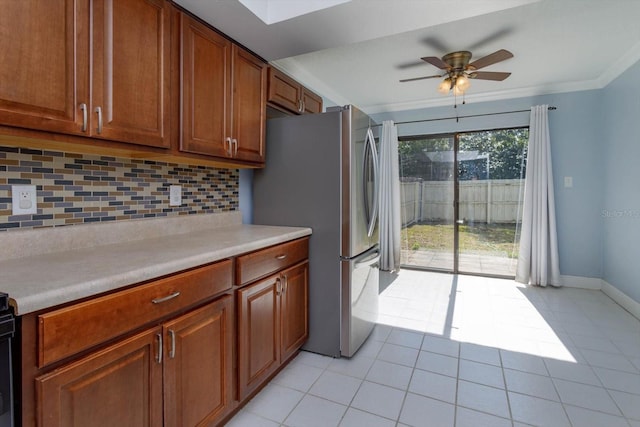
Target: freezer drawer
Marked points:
360	279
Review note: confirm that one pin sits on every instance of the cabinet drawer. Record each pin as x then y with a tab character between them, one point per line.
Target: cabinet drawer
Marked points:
72	329
266	261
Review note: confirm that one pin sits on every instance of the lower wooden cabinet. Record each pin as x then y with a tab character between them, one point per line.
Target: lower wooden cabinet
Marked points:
272	325
294	309
184	350
198	366
185	363
118	386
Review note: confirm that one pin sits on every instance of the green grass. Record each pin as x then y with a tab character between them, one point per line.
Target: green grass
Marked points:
496	239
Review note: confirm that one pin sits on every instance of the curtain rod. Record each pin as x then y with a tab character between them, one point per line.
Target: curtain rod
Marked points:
466	117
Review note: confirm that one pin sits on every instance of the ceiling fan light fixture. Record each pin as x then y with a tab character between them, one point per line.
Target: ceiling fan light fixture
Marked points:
445	86
458	70
462	83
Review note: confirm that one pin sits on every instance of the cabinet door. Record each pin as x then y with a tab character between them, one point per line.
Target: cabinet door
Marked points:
198	365
118	386
258	333
130	76
205	83
284	91
311	102
249	105
43	64
294	306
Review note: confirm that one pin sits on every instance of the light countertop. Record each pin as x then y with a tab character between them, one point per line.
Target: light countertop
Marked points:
43	280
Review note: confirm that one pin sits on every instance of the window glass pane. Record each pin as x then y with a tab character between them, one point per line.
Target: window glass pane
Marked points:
427	183
491	167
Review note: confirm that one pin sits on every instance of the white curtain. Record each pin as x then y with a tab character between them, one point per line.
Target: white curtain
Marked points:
538	262
389	197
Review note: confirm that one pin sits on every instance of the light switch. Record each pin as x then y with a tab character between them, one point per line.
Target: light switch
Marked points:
175	195
568	182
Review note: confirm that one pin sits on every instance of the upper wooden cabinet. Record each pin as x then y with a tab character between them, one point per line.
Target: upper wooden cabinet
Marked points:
98	69
205	61
249	89
291	95
223	96
42	45
130	78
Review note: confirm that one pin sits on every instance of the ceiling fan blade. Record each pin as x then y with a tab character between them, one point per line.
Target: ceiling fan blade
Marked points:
406	65
436	62
420	78
435	43
489	75
490	59
493	37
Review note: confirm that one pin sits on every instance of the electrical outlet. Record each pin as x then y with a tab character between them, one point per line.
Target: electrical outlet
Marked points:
175	195
24	199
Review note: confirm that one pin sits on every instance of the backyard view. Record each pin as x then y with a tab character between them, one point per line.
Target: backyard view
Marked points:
490	168
495	239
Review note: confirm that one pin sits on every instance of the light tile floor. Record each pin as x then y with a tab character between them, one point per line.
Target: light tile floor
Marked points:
469	351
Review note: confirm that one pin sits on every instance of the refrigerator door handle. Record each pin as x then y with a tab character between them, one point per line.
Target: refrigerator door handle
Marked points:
369	260
370	147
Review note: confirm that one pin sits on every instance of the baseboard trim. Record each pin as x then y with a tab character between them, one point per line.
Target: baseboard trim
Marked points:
592	283
624	300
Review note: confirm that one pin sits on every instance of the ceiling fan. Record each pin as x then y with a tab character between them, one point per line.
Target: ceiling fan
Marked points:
458	70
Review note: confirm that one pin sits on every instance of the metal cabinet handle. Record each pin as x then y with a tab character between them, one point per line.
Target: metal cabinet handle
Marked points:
167	298
281	257
160	349
172	352
300	105
278	286
227	146
235	144
99	112
83	108
285	279
304	105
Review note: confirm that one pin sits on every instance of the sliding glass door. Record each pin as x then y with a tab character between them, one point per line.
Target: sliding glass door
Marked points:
427	174
462	201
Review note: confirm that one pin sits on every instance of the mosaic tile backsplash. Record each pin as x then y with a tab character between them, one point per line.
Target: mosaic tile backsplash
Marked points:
79	188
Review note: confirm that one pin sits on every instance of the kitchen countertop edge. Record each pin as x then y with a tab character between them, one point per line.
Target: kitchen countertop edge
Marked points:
47	280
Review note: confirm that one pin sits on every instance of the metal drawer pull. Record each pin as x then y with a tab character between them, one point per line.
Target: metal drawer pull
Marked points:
172	352
160	350
167	298
283	256
99	112
83	108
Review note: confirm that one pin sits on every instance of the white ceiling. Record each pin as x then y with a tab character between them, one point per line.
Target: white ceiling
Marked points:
355	52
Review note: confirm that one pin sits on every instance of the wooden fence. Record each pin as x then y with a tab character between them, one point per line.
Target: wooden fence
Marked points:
485	201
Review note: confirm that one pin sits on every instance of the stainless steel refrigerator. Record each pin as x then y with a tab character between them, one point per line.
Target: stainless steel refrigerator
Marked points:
321	172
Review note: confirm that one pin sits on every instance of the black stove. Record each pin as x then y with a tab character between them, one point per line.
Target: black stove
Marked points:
7	330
